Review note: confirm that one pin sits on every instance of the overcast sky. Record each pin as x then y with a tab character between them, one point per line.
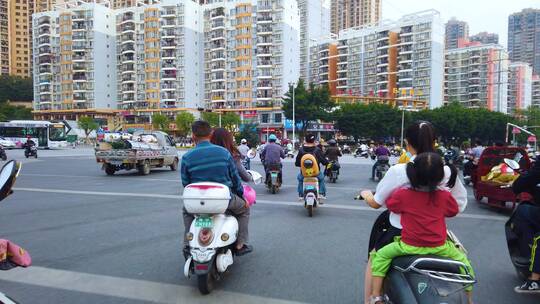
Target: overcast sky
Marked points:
482	15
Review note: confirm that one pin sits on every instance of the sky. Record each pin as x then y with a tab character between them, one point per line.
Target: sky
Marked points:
482	15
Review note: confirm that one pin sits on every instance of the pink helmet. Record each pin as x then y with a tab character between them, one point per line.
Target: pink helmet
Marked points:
249	195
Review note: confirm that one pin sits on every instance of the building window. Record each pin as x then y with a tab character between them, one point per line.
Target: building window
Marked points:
277	117
265	118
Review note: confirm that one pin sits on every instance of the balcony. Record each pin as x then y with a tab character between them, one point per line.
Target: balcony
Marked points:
126	88
44	41
78	46
169	75
78	56
168	13
262	63
168	54
264	51
264	29
44	50
217	24
168	23
168	86
168	44
128	27
264	85
44	21
78	26
264	18
217	44
128	37
79	36
168	96
168	33
127	57
45	60
79	97
45	70
79	67
128	78
44	31
79	76
128	49
264	41
128	97
80	86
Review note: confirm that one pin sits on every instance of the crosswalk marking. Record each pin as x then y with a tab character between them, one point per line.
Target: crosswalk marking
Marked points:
128	288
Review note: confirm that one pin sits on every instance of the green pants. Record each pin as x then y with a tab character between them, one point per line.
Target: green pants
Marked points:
382	259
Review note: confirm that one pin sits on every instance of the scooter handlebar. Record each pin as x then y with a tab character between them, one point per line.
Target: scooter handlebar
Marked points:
360	198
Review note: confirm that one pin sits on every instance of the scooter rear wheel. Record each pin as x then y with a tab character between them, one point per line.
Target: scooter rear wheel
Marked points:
310	210
205	283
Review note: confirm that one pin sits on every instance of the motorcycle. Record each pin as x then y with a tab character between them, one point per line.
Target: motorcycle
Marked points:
346	149
520	260
273	178
13	255
3	154
289	153
30	151
382	167
423	279
361	153
332	171
310	188
468	168
213	233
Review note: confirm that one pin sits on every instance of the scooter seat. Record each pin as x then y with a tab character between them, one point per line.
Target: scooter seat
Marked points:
436	263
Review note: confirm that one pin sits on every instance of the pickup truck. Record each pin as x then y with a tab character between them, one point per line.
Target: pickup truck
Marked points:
145	150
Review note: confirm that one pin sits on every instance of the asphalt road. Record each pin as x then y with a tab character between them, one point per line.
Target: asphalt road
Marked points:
100	239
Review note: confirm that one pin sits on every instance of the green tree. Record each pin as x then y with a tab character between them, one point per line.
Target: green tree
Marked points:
87	124
212	118
183	121
16	88
160	122
375	121
230	121
310	105
249	132
9	112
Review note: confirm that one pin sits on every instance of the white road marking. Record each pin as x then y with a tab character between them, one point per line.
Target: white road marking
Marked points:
166	180
127	288
328	203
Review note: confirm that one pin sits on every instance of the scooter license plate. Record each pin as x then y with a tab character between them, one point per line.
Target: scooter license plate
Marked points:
274	174
204	222
310	187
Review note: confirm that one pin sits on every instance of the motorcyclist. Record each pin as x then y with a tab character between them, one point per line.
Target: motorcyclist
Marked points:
383	155
475	153
527	221
332	153
211	163
309	147
244	149
271	157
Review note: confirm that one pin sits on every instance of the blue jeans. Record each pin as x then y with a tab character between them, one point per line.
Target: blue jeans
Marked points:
528	224
322	186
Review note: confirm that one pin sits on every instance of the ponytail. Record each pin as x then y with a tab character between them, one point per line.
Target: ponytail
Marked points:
421	136
427	171
453	176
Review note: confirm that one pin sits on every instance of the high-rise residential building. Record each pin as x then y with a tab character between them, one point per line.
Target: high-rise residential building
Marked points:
519	86
535	89
477	76
159	57
15	37
401	59
75	58
352	13
485	38
314	24
455	30
4	38
524	37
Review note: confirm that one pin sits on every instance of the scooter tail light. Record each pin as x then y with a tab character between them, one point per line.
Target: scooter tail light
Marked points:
205	236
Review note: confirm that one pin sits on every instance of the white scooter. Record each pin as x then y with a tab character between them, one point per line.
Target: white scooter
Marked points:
213	233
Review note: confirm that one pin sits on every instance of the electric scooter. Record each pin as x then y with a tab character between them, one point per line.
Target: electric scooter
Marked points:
213	233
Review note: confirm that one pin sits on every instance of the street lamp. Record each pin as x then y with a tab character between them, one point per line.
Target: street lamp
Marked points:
293	84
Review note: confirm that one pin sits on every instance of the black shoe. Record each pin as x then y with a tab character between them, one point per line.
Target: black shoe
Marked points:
529	286
244	250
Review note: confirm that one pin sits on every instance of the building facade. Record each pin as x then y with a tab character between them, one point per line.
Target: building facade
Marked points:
401	59
454	31
477	77
353	13
523	38
314	24
4	37
519	86
15	37
535	89
485	38
75	58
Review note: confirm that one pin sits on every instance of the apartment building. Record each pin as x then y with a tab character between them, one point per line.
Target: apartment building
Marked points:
159	56
4	37
15	37
519	86
314	24
535	88
353	13
454	31
485	38
401	59
74	55
477	76
323	64
523	37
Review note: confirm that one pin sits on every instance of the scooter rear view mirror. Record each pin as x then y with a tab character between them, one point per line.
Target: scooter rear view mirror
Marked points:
8	175
251	154
512	164
257	178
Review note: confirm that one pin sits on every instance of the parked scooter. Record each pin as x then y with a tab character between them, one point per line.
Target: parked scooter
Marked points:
424	279
273	178
11	255
332	171
213	233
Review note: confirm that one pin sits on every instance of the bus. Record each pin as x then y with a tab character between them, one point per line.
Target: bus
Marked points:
47	134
